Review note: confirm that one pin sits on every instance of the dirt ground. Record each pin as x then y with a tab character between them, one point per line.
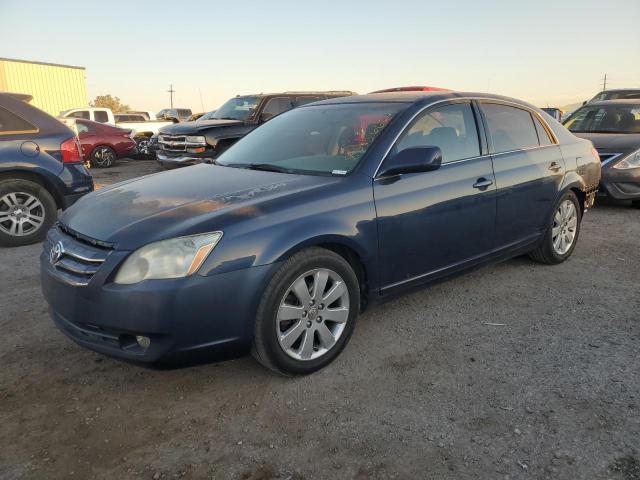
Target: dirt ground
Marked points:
516	371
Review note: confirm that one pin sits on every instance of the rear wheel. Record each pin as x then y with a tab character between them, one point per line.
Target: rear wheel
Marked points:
103	156
307	313
635	203
27	211
561	237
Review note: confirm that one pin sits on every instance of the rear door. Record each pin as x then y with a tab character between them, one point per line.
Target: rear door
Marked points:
432	222
528	167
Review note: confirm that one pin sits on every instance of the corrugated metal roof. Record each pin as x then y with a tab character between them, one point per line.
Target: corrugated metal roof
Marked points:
40	63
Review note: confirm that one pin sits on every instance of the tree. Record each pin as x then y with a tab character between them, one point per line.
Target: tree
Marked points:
107	101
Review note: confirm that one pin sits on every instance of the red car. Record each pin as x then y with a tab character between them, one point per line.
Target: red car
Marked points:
102	144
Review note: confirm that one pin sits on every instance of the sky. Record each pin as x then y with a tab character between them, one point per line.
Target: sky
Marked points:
550	53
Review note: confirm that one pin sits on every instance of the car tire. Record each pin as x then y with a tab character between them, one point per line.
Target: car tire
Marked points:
635	203
29	200
561	236
103	156
143	147
281	343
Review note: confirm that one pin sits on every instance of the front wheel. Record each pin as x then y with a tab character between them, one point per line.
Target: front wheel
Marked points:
144	147
562	235
307	313
27	211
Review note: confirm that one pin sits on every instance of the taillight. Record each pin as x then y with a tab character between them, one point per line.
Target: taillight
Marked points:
70	150
595	153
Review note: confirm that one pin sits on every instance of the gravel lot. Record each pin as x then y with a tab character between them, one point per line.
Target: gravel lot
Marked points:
426	388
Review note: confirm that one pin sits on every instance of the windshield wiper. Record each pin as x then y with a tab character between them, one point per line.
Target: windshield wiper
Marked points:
267	167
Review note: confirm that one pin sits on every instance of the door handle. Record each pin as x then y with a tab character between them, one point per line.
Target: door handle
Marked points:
554	167
482	183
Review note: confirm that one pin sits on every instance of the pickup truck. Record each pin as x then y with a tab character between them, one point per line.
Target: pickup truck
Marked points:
143	129
197	142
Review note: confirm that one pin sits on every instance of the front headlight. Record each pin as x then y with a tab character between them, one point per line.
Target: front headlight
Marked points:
173	258
630	161
199	140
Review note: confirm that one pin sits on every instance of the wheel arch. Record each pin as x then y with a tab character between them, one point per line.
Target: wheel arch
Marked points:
573	182
349	250
41	180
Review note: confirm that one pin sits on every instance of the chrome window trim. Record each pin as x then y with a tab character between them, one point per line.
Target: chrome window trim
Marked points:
470	99
614	156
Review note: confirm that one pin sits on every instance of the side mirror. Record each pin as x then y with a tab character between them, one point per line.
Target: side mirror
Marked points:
412	160
264	116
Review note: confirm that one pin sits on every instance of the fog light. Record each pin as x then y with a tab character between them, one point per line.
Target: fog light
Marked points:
144	342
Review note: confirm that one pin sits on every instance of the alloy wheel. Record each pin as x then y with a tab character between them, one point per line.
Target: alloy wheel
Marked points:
20	214
104	156
312	314
565	224
143	147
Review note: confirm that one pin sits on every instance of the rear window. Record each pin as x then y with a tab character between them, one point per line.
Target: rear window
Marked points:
510	128
12	124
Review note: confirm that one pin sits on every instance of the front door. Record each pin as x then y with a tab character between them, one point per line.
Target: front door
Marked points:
432	222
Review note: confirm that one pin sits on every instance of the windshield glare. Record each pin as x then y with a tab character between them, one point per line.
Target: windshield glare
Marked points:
605	119
238	108
323	139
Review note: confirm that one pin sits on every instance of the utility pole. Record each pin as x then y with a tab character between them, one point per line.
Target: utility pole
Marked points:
171	91
604	83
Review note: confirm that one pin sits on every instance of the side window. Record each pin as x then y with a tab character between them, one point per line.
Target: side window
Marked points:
276	106
304	100
101	116
12	124
510	128
543	136
451	127
81	128
81	114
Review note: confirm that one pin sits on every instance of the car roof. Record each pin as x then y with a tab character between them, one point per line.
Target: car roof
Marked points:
633	89
420	97
618	101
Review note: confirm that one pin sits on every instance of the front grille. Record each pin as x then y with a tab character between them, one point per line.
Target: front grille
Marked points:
177	143
75	260
608	157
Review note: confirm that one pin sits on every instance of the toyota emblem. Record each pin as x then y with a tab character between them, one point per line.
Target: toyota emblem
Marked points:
56	253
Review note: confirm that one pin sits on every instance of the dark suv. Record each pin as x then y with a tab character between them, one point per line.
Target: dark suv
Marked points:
189	143
41	171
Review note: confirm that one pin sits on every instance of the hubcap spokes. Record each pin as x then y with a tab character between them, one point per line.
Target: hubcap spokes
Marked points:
312	314
20	214
565	224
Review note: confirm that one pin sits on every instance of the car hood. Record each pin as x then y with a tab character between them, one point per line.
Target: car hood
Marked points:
189	128
181	202
613	142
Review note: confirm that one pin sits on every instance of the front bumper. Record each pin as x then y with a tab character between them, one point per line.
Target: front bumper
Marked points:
178	160
621	184
213	314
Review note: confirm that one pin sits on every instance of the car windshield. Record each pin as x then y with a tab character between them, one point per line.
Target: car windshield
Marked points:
321	139
616	95
208	116
238	108
605	119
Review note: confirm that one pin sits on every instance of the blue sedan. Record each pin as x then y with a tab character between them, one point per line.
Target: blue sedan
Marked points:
278	246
